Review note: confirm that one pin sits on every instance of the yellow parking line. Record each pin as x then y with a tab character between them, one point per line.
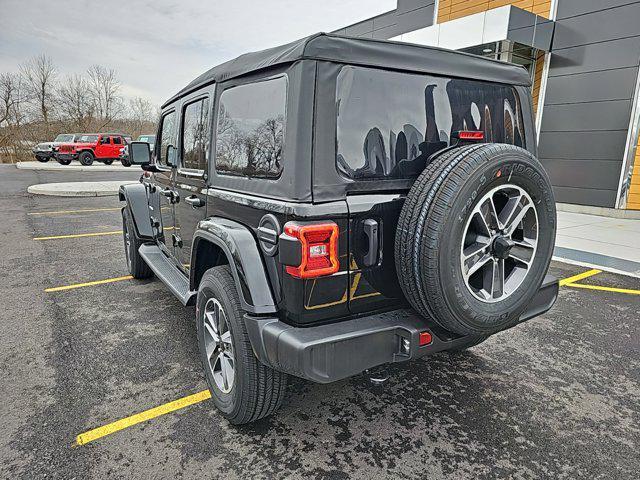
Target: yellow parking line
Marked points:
87	284
79	235
580	276
605	289
127	422
82	210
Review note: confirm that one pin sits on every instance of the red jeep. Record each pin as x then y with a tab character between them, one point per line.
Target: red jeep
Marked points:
103	147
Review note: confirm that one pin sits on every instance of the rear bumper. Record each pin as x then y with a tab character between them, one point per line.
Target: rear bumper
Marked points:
327	353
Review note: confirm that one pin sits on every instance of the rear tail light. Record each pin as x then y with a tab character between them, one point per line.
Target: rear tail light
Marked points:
471	135
318	243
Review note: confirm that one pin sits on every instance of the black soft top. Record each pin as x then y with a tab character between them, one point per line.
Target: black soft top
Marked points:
366	52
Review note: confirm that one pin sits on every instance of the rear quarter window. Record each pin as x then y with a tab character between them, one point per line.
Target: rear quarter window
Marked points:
390	123
250	129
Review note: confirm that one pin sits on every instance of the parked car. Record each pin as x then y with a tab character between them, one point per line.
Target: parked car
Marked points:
336	204
44	151
124	151
90	147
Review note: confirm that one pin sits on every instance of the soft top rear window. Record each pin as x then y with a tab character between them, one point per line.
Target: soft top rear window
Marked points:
390	123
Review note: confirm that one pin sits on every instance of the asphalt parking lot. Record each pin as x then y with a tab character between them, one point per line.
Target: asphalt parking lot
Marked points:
557	397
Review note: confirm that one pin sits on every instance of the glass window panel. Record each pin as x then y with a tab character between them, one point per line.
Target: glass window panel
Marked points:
250	129
195	136
390	123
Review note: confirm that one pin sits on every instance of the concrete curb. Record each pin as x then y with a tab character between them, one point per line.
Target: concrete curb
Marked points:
79	189
53	166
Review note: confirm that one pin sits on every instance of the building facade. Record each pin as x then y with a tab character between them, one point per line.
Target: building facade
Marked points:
584	60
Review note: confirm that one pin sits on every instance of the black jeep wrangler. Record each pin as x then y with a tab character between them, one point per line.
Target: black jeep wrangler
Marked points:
336	204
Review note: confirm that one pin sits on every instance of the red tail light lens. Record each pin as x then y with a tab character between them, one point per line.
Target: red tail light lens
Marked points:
471	135
319	244
425	338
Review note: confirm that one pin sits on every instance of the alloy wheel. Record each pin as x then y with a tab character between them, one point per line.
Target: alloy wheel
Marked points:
218	345
499	243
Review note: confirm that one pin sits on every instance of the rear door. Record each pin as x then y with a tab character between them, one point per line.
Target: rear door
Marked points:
165	180
191	179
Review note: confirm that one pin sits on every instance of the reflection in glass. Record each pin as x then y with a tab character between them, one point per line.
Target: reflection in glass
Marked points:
250	130
195	141
390	123
167	137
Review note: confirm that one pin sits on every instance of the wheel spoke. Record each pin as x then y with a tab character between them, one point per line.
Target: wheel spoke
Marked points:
488	214
515	219
211	327
477	265
511	207
522	252
226	337
497	283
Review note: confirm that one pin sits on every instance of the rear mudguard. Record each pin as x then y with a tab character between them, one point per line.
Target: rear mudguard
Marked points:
136	197
241	249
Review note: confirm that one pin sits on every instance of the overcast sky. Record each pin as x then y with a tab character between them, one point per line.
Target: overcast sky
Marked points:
158	46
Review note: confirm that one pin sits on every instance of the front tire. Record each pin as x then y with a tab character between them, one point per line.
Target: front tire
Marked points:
138	268
42	159
242	388
86	158
108	161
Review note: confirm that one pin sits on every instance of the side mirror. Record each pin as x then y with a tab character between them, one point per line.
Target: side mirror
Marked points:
139	153
172	160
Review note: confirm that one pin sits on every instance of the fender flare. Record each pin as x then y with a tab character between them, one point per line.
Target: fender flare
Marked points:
241	249
135	196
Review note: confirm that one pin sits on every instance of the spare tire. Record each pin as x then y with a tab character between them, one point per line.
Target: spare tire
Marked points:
475	237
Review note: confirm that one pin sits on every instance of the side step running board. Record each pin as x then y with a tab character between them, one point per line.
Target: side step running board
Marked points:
166	271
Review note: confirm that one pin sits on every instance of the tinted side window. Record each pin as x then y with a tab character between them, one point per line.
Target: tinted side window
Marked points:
117	140
195	135
390	123
167	137
250	129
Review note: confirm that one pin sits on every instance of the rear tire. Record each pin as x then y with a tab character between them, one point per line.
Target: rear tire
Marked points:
42	159
108	161
252	390
138	268
64	162
86	158
433	237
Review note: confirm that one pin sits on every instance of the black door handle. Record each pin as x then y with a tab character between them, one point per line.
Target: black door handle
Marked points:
370	228
195	201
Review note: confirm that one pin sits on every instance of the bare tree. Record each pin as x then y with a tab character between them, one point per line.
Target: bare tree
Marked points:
8	96
142	112
39	75
105	87
76	102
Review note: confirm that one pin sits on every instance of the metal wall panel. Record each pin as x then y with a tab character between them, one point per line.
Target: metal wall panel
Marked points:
602	26
574	8
595	57
585	145
592	78
591	87
408	16
589	174
587	116
578	195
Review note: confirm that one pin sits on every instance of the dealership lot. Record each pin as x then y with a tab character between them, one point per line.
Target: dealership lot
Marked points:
556	397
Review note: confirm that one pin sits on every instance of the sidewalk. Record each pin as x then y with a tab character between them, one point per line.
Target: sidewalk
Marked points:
611	244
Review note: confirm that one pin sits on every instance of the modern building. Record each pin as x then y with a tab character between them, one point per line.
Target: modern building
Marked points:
583	57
